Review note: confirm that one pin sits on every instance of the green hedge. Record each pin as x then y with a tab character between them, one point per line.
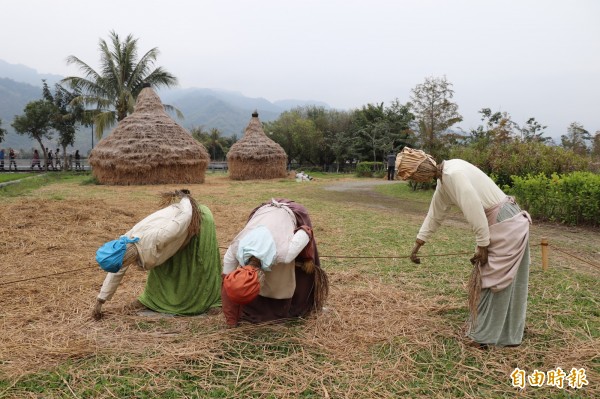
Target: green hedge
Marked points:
368	169
572	198
520	159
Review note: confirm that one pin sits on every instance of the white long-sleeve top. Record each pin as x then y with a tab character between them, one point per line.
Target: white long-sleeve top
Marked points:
299	240
467	187
161	235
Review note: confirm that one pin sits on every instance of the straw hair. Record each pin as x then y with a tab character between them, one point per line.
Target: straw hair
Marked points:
425	172
321	288
131	255
255	156
415	165
474	292
321	283
167	198
149	147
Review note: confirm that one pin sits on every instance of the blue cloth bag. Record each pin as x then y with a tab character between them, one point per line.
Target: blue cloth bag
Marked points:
110	255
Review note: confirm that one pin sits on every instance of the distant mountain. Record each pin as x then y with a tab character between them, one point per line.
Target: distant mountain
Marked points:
24	74
227	111
13	98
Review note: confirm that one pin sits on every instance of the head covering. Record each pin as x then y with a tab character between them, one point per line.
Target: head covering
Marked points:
242	285
258	243
409	160
110	255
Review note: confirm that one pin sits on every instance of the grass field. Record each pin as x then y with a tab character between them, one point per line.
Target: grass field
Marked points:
6	177
390	328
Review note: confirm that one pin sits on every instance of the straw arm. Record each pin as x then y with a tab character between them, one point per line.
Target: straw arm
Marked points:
130	257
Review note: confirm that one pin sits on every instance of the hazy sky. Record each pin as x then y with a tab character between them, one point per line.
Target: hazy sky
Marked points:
530	58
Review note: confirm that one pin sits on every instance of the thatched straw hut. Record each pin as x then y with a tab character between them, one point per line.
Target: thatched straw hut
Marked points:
149	147
255	156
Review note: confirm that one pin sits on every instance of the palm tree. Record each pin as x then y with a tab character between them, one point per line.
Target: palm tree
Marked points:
214	142
114	89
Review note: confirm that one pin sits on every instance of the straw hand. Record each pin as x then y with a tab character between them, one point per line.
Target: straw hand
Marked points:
481	256
413	256
97	312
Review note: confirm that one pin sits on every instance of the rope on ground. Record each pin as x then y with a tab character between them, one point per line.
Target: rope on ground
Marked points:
321	256
576	257
47	275
393	257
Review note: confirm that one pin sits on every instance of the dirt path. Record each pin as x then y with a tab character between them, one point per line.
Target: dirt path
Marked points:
565	241
366	185
363	192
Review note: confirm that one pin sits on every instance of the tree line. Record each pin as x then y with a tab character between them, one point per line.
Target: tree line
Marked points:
314	137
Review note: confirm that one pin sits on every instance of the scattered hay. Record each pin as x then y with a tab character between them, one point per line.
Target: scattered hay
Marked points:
374	338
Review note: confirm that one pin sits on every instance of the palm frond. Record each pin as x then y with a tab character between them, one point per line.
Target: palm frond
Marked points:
175	110
160	77
114	89
140	73
88	71
103	121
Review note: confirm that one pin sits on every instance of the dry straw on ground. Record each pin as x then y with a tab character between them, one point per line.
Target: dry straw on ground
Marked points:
375	338
255	156
149	147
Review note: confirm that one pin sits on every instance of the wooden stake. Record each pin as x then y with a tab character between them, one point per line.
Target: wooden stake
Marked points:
544	253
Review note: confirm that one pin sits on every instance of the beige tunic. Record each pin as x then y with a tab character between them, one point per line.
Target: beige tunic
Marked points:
280	281
467	187
161	235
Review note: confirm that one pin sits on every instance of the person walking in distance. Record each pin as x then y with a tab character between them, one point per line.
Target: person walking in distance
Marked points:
11	158
77	160
36	160
391	165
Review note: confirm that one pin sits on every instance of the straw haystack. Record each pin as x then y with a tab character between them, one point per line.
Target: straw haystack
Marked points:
255	156
149	147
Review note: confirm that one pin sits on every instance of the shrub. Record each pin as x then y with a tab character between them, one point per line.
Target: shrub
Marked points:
571	199
366	169
520	159
310	169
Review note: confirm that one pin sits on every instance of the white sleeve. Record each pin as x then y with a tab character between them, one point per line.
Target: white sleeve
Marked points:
438	210
230	262
456	190
111	283
162	233
297	244
467	199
